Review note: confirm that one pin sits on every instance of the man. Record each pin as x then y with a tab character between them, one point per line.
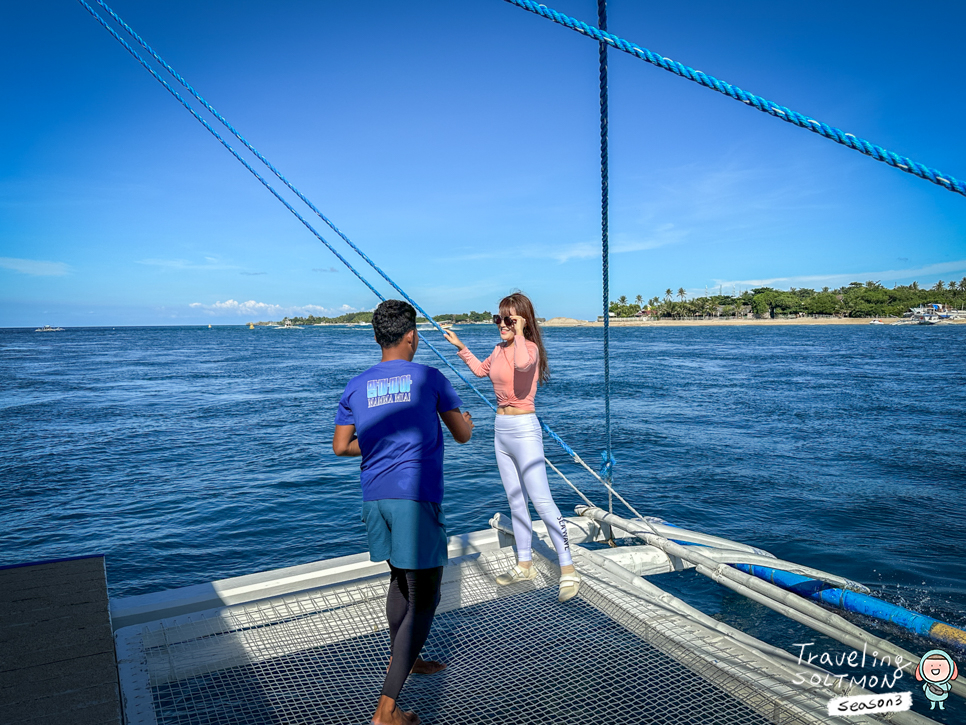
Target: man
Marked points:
390	415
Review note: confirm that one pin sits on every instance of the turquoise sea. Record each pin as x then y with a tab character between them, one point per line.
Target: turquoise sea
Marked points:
191	454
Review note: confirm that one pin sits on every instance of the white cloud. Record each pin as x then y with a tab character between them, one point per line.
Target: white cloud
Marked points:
620	244
837	279
251	308
183	264
35	267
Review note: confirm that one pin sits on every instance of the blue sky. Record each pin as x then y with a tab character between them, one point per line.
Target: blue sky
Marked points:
456	142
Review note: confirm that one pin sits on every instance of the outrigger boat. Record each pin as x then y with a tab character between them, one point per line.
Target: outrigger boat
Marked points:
309	644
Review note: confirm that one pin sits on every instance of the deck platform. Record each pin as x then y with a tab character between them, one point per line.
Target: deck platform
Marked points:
57	660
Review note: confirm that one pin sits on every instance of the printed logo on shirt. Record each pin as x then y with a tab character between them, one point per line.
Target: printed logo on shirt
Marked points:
389	390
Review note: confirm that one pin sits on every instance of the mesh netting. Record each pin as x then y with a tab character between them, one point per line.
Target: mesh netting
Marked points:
514	655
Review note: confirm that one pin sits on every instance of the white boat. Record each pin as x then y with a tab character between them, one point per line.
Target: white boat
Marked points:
48	328
309	644
932	314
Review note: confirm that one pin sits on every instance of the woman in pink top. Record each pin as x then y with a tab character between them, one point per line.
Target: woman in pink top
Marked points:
515	367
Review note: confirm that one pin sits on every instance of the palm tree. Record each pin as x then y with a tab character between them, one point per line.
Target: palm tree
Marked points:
668	294
622	300
639	300
682	294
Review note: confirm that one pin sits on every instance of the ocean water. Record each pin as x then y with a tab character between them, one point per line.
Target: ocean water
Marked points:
192	454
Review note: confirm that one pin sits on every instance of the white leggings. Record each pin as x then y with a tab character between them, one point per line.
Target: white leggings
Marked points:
519	456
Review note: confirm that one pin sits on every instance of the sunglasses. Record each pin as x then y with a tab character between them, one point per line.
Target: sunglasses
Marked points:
508	321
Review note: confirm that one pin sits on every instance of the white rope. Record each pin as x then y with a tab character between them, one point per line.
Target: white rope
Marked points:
579	492
606	485
578	459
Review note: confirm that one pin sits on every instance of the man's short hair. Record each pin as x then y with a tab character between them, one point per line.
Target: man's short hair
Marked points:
391	320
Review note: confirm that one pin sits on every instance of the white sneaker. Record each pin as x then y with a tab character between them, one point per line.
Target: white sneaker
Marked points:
569	586
517	574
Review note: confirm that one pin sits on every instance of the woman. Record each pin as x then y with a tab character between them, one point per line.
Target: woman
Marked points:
515	367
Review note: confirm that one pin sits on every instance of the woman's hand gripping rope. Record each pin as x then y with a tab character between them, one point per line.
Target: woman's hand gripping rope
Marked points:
452	339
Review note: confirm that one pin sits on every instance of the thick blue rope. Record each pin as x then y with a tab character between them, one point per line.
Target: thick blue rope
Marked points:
570	451
606	470
773	109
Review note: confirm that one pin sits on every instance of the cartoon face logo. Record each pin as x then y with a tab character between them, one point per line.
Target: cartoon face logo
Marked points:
936	670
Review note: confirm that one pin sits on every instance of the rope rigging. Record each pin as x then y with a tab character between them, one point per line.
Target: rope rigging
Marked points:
577	459
773	109
607	457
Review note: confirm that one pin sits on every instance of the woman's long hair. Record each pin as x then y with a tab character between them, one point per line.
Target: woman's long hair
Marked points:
521	304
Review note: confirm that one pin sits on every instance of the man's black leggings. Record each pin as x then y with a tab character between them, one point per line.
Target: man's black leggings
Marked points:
410	606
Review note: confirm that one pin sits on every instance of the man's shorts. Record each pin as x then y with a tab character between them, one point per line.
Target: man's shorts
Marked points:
409	534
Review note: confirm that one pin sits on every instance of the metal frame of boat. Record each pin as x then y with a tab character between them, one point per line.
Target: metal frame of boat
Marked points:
171	644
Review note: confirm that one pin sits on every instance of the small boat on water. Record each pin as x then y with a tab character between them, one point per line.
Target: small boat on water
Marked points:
48	328
932	314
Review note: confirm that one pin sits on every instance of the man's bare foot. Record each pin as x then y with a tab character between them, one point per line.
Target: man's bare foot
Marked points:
427	667
388	714
422	667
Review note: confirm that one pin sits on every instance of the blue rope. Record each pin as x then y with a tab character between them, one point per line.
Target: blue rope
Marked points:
773	109
272	189
275	171
265	161
288	206
607	469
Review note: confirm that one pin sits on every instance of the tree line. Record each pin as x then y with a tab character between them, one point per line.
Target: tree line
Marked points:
857	299
355	317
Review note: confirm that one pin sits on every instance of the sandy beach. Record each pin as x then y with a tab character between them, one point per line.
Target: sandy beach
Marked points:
722	322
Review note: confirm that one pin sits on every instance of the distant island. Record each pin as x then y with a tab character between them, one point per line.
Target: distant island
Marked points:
857	299
354	318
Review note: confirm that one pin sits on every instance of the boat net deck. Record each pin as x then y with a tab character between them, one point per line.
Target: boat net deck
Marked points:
514	655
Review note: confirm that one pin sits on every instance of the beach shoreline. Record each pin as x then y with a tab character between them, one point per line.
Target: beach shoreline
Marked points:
726	322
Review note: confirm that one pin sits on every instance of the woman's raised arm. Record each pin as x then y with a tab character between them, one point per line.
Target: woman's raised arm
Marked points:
479	369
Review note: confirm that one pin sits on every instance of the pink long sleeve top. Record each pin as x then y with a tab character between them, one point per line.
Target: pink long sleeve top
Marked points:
513	370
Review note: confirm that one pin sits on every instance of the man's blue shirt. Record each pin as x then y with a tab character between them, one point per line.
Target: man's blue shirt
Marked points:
395	408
